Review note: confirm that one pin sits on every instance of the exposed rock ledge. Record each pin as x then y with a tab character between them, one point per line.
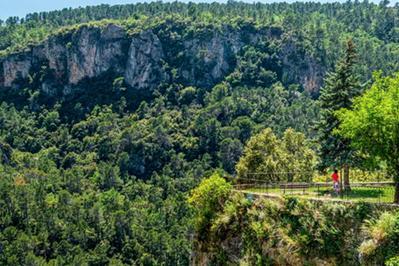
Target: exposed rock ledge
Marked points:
91	51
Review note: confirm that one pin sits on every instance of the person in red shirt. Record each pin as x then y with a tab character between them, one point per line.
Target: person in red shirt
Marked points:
335	178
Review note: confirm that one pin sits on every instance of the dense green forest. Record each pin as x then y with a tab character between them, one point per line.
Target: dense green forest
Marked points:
97	167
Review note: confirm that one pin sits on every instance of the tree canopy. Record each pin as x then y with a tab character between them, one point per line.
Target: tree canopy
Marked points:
272	159
100	173
373	123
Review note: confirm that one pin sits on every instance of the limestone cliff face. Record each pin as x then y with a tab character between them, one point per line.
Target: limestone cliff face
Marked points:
296	61
68	58
95	51
211	59
144	60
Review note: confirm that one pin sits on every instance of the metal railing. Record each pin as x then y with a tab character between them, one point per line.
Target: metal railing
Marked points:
378	192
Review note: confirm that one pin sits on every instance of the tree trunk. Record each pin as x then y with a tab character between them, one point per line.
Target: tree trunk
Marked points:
347	185
340	182
396	198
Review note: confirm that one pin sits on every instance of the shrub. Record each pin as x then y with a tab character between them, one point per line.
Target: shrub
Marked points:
208	199
394	261
383	239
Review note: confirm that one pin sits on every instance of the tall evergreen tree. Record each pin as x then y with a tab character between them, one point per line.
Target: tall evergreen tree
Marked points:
340	87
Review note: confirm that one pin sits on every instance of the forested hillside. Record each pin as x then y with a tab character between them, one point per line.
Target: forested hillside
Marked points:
315	32
110	115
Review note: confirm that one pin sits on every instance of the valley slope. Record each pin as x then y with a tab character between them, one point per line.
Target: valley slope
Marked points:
110	115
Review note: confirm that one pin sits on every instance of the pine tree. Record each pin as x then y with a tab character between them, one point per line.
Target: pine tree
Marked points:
341	86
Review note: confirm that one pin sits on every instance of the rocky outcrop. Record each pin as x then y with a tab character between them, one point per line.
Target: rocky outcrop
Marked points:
69	58
209	60
14	68
300	67
145	60
94	52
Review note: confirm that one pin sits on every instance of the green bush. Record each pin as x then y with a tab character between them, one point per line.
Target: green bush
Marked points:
208	199
382	239
392	261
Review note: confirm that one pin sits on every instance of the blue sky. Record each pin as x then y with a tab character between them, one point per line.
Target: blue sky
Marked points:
22	7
